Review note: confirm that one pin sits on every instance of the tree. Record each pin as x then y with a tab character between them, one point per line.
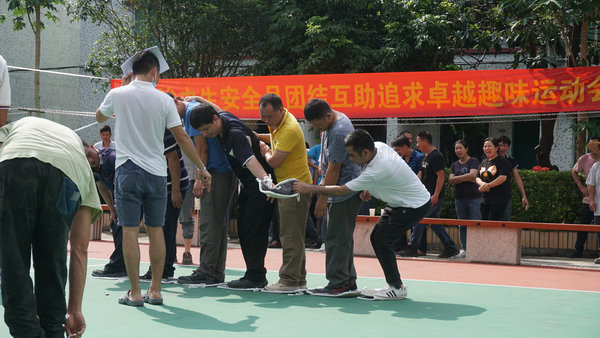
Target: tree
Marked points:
32	10
349	36
198	39
555	27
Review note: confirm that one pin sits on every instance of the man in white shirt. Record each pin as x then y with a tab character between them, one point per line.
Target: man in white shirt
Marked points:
142	114
106	142
387	177
593	181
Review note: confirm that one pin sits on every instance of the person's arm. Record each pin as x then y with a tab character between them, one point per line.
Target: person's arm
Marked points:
592	193
3	117
175	170
485	187
79	239
582	188
202	150
439	185
256	168
328	190
331	177
100	118
274	160
187	146
202	100
519	183
310	164
108	198
266	138
470	177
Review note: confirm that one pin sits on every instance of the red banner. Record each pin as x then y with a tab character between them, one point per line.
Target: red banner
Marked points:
422	94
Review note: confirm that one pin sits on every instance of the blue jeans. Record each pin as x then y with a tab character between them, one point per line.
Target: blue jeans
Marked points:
439	230
467	208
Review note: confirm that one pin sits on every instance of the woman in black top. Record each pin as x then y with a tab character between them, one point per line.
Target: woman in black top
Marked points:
493	180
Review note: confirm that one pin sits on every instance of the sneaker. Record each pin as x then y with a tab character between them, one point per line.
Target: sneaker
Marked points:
108	273
281	288
147	276
410	252
390	293
576	254
187	259
449	252
597	260
344	291
195	278
462	254
421	253
244	284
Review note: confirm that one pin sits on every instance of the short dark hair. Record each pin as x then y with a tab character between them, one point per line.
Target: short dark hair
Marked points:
202	114
85	144
595	137
425	135
360	140
170	94
272	99
401	141
316	109
493	140
144	61
104	128
403	133
463	142
504	139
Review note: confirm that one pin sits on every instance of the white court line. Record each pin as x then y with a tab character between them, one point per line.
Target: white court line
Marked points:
448	282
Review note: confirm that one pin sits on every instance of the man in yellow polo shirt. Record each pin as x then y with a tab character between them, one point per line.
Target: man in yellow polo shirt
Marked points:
288	159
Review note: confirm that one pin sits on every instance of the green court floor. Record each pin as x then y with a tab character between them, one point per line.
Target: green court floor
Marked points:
432	309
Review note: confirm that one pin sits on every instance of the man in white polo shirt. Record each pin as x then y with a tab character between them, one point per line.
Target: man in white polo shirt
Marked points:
142	114
386	176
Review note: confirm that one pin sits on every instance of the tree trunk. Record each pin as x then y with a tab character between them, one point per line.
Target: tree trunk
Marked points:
542	150
36	76
581	137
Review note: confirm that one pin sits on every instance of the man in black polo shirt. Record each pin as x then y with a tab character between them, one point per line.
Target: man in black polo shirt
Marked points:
242	148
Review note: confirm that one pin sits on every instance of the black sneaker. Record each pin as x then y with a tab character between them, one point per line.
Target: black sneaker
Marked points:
344	291
410	252
195	278
576	254
245	284
449	252
109	273
147	276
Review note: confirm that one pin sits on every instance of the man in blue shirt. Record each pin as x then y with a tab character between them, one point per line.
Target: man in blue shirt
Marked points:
102	162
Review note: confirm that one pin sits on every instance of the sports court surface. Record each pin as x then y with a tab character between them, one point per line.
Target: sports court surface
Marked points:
445	298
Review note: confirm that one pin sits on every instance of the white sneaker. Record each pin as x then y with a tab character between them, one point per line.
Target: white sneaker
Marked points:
390	292
597	260
462	254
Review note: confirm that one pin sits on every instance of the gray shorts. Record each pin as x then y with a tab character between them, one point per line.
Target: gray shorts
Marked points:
135	189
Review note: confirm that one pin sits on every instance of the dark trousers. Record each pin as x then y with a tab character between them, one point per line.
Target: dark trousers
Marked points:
170	234
587	217
394	223
402	243
30	192
255	213
492	212
116	260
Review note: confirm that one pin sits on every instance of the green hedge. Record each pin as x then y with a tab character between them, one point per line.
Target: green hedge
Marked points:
553	198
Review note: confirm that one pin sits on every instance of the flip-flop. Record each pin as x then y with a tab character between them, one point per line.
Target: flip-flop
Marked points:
125	300
150	300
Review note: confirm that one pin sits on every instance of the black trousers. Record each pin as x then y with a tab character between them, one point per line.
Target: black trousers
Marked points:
587	217
391	225
32	219
255	213
170	234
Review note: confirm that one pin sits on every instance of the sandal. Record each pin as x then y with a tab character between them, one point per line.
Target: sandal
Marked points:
150	300
125	300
